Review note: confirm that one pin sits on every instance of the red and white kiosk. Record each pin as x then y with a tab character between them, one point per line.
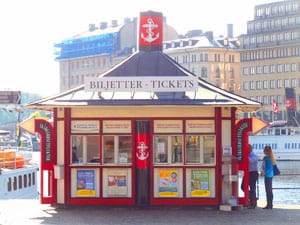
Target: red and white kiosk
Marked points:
147	132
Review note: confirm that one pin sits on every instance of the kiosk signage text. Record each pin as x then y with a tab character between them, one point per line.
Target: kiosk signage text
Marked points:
159	84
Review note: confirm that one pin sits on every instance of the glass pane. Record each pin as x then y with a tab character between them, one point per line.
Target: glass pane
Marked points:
93	149
161	149
108	149
209	149
125	147
176	149
77	149
192	149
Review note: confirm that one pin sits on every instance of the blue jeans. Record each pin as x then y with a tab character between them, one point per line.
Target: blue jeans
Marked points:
269	191
253	177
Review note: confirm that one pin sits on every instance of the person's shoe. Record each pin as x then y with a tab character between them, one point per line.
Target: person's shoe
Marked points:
251	207
268	207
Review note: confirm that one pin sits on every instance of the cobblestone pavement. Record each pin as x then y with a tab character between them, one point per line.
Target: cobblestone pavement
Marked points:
31	212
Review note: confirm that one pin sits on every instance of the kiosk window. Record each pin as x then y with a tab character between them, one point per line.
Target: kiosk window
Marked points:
168	149
85	149
200	149
117	149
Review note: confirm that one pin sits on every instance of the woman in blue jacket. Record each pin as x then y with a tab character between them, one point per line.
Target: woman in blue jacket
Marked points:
268	172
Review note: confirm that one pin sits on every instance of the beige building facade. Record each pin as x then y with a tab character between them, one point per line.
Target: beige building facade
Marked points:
270	58
216	60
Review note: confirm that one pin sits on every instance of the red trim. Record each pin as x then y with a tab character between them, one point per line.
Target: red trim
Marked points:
153	200
244	164
67	153
48	158
218	177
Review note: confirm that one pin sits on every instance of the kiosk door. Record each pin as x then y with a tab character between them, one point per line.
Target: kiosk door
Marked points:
142	173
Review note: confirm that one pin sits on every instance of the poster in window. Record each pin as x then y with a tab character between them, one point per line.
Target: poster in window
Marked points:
117	185
161	147
168	183
85	183
200	183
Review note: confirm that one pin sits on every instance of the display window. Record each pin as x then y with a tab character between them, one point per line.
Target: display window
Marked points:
85	149
200	183
117	182
168	183
117	149
200	149
167	149
85	182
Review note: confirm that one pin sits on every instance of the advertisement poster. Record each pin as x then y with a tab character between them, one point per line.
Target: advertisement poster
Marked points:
85	183
117	185
200	183
168	183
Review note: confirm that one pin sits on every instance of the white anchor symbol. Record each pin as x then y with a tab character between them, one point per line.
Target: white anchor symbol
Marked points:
149	27
142	154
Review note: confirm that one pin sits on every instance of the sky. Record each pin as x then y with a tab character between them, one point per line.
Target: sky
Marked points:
29	29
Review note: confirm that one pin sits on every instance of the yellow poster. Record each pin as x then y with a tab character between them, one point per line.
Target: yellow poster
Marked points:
168	183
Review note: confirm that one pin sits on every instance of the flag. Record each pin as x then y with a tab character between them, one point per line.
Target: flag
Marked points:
275	106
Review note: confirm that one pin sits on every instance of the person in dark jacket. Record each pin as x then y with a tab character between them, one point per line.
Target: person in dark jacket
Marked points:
253	177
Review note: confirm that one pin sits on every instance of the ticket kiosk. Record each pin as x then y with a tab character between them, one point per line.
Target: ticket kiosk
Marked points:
147	132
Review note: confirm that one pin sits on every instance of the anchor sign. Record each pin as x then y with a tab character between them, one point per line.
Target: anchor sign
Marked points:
142	153
149	26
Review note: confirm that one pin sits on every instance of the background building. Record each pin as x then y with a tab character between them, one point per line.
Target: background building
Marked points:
270	61
90	53
96	50
215	60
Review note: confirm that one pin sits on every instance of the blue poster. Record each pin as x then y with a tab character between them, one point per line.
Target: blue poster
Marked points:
86	183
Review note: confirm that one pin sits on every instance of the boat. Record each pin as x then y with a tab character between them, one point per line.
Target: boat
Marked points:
18	174
284	141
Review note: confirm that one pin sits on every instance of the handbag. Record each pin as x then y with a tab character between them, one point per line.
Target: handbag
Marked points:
276	170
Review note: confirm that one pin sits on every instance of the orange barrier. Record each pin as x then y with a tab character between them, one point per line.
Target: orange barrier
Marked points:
10	159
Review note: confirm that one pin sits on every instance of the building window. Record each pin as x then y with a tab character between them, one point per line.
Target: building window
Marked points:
265	100
245	71
279	68
265	84
167	149
293	83
200	149
245	86
286	83
272	68
218	73
252	85
258	70
204	72
279	99
265	69
231	72
272	84
252	70
117	149
205	57
279	84
217	57
85	149
294	67
258	85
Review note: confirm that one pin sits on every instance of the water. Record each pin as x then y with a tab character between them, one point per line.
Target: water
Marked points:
286	186
286	189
